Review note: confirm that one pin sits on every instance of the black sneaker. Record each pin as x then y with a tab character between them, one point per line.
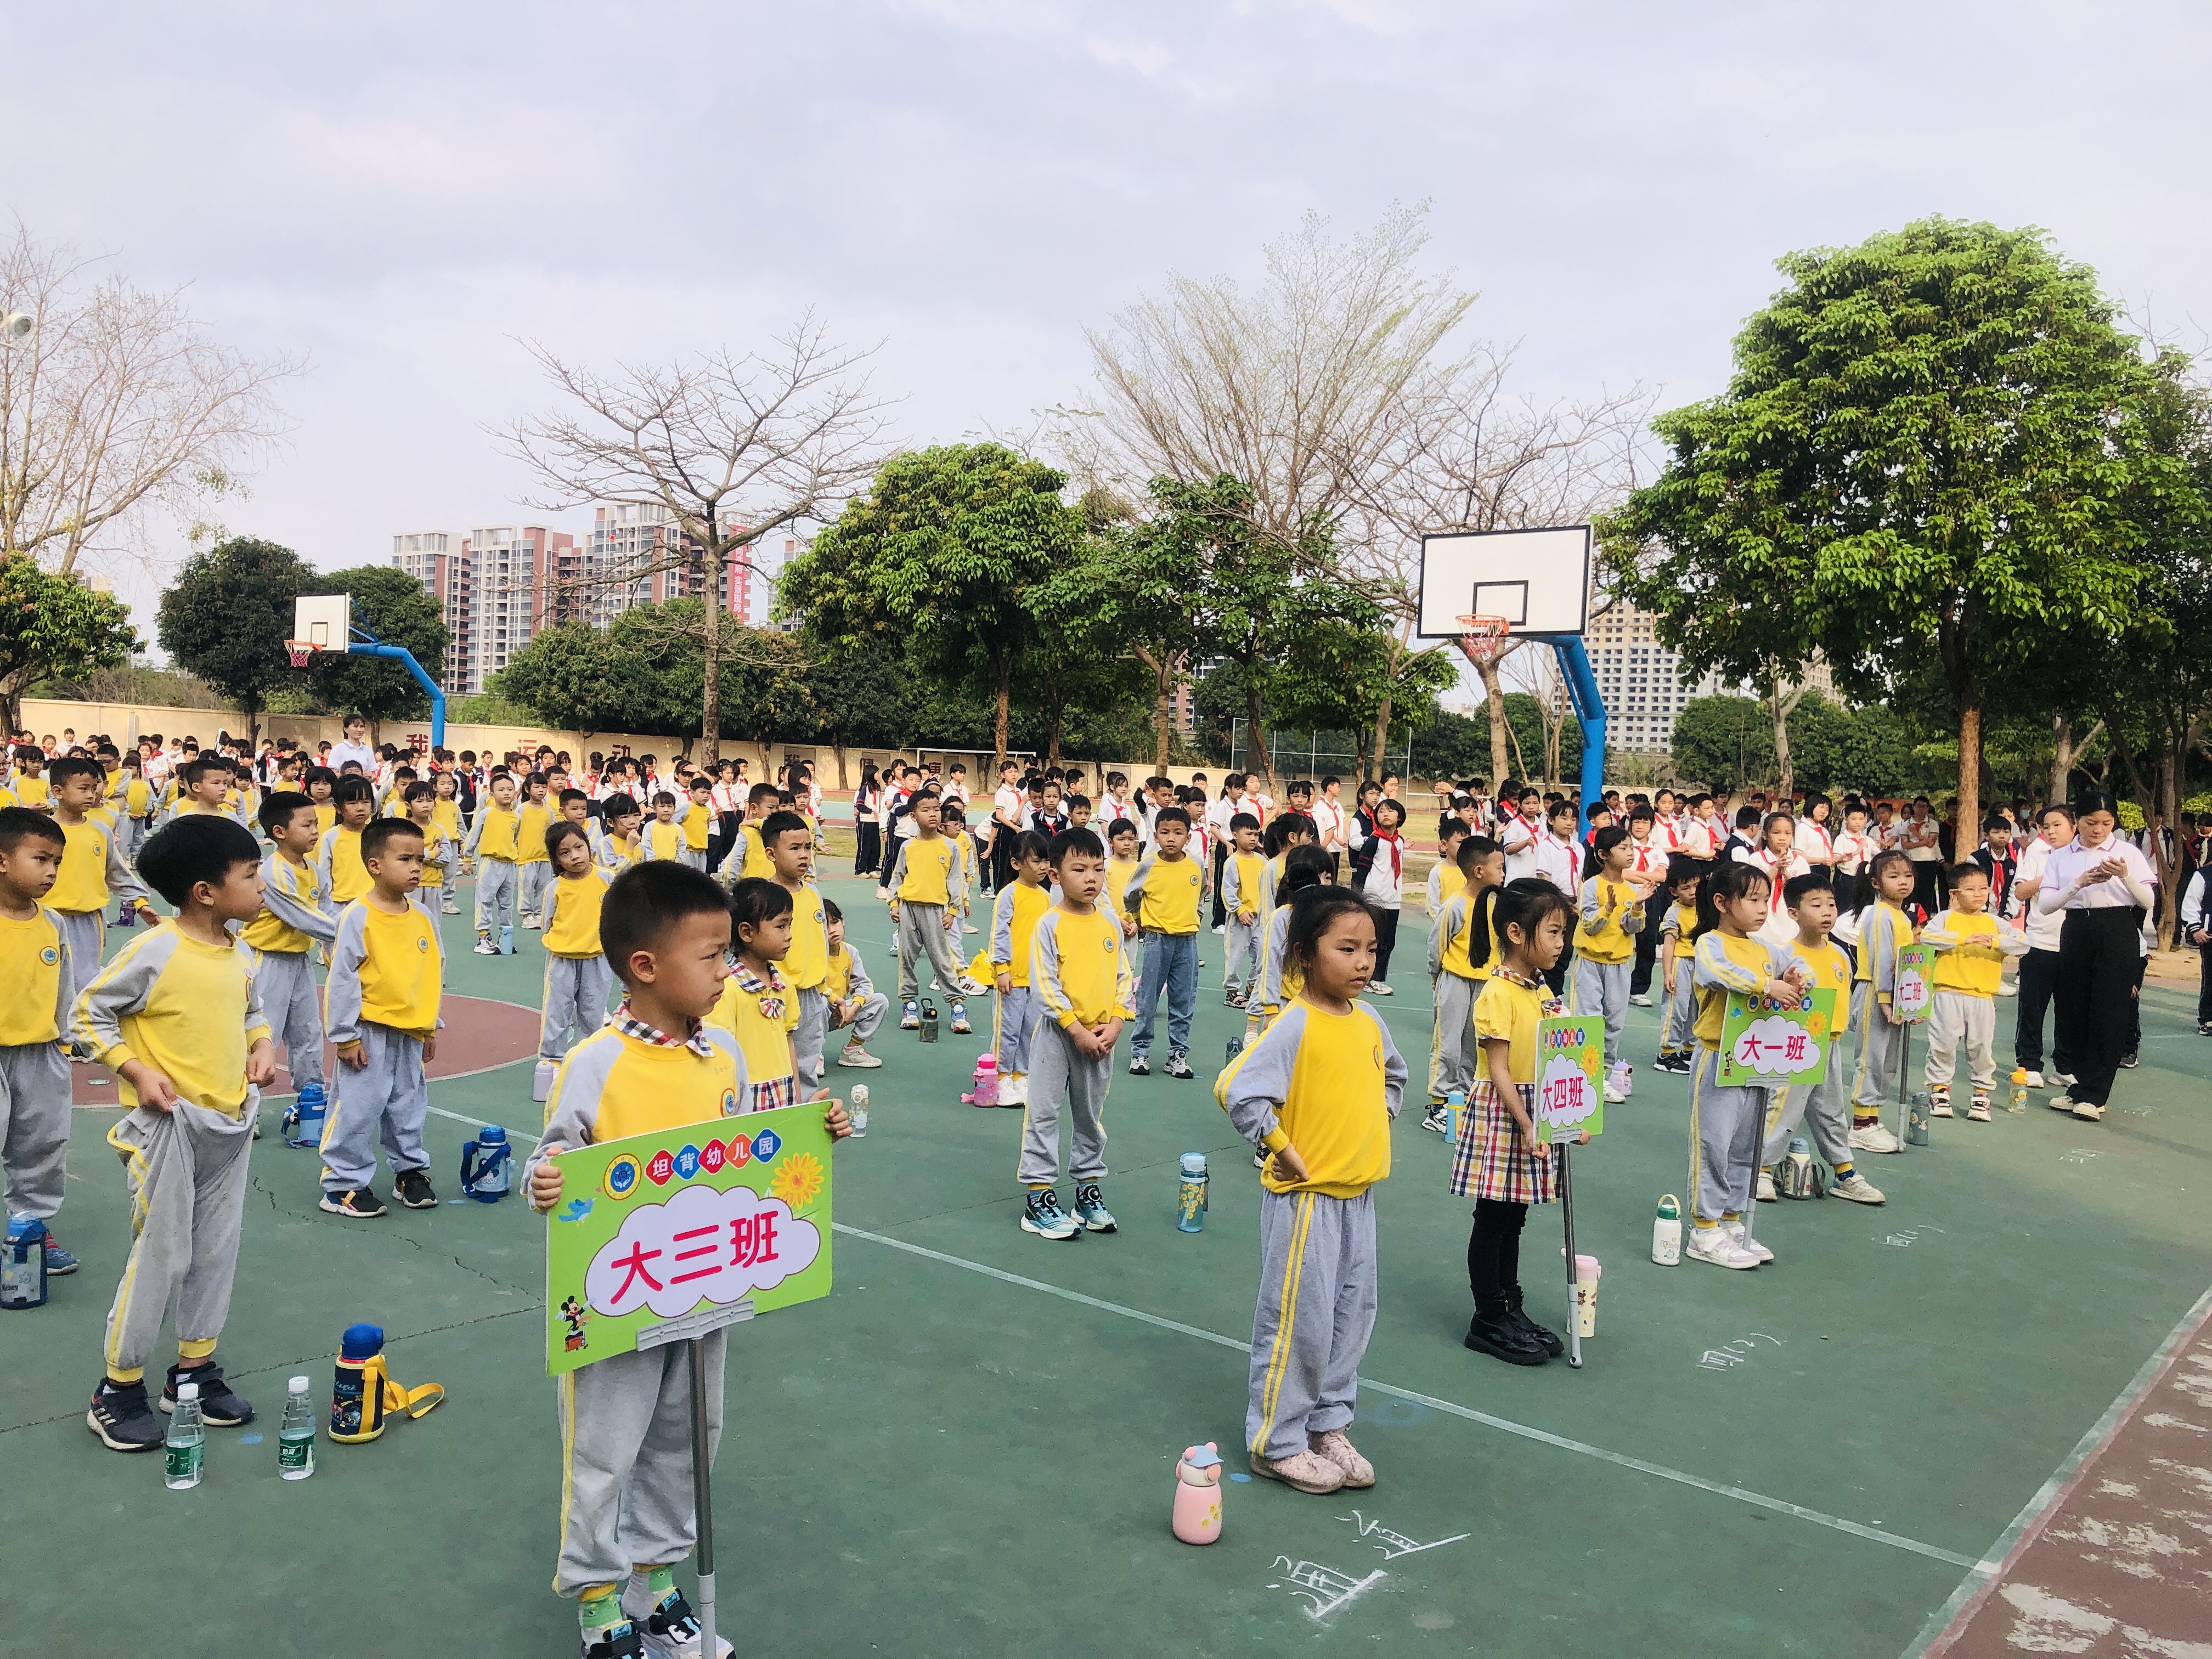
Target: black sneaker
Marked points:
359	1203
412	1188
1543	1339
1179	1066
1436	1120
1502	1339
218	1405
2128	1061
672	1629
122	1419
1140	1065
620	1640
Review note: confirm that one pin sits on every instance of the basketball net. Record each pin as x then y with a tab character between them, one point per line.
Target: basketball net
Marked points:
300	651
1484	638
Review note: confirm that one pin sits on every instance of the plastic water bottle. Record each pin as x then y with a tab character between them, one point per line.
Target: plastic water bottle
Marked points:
506	938
858	1111
186	1442
1236	1048
1190	1197
1667	1231
295	1438
23	1265
2017	1101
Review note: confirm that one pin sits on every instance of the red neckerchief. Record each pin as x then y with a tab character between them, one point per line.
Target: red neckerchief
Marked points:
1397	853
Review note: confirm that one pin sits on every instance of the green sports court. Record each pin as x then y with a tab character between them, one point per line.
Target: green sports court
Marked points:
970	1447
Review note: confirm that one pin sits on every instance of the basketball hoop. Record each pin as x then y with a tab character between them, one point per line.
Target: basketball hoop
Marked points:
1484	638
300	651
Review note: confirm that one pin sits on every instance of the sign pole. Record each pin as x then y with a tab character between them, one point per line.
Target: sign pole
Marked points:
703	1496
1567	1211
1904	1082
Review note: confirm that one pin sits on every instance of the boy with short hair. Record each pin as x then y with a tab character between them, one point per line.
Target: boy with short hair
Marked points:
919	884
853	999
37	986
628	1511
282	935
1826	1105
382	1010
698	821
790	844
533	868
1015	914
177	1016
1677	948
337	855
1163	895
749	856
1080	982
495	842
93	870
663	838
1971	947
1242	877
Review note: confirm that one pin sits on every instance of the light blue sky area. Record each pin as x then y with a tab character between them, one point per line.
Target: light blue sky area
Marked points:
398	191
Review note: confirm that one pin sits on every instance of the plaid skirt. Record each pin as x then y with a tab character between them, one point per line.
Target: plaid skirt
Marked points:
1490	1159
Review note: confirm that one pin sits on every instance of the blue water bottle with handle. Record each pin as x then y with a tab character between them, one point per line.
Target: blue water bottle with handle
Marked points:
487	1166
1190	1197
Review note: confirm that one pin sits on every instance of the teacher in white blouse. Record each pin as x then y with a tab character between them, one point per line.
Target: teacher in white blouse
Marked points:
2105	886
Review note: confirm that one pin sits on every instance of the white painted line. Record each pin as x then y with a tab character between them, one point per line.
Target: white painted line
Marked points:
1545	1437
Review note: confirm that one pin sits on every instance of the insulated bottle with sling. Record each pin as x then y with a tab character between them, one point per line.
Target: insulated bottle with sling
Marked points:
487	1166
23	1267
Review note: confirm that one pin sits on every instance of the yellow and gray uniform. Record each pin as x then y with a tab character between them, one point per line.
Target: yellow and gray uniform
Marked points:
1605	955
625	1421
1725	1123
534	869
1078	975
807	967
1677	1037
382	997
919	882
442	867
1164	895
283	936
1826	1106
1016	914
1884	930
1281	980
1971	951
578	977
1243	882
93	871
190	1010
491	843
847	979
36	990
1456	1059
1329	1085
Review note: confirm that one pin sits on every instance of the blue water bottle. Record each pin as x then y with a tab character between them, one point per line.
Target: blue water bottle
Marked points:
487	1164
1190	1198
506	938
302	1124
23	1267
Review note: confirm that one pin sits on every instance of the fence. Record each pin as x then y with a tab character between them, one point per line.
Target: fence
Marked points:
1314	755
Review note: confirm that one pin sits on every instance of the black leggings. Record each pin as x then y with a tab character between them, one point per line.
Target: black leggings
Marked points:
2099	959
1386	940
1494	1256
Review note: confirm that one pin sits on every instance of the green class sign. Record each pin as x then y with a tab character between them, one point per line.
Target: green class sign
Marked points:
671	1235
1768	1043
1569	1074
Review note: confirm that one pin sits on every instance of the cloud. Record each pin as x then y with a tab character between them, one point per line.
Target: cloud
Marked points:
1773	1047
701	1245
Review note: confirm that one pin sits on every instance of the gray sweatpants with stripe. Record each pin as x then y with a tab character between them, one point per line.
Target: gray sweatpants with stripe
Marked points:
535	877
1063	1081
626	1498
1602	987
1316	1312
34	1126
85	933
1457	1051
1724	1140
866	1017
1825	1110
388	1098
185	1169
921	933
1679	1035
811	1035
1018	1010
495	895
286	980
576	990
1881	1052
1242	971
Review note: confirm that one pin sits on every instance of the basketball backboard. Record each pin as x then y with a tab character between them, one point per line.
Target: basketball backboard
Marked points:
1537	580
323	621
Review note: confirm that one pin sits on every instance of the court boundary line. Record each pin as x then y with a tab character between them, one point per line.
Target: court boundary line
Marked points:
1945	1624
1543	1437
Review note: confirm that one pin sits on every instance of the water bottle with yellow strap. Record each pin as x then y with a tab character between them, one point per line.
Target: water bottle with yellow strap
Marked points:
365	1391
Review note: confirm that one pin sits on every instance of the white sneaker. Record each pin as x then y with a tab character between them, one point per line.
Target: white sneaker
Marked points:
2060	1102
1614	1097
1743	1243
1874	1138
2034	1079
2087	1112
1767	1192
1639	1001
2065	1079
1376	988
1857	1188
532	923
854	1055
1939	1103
1717	1245
1220	927
2007	987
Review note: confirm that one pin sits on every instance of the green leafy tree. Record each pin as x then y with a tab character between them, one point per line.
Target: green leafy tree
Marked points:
54	626
1339	667
392	605
1527	733
581	680
947	548
1930	442
227	615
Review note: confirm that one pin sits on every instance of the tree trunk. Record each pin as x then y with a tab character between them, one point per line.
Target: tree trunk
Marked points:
1493	701
2168	863
2062	756
1785	769
1970	778
838	749
1057	717
998	721
710	713
1255	734
1382	735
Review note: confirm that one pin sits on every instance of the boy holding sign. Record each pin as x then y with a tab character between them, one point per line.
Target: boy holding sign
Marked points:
1824	1105
629	1512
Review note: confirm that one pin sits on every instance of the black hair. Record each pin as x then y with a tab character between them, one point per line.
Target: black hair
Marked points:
831	912
1682	870
1601	842
1795	889
1119	825
1996	821
377	831
570	795
352	787
1870	889
2095	800
779	824
199	766
1472	852
761	792
1304	867
1524	903
1967	870
1076	843
1032	844
557	834
1746	816
1242	821
1171	815
196	848
63	768
1397	807
1562	805
663	798
1730	878
322	774
755	901
277	807
1767	824
618	805
646	901
422	789
1312	911
18	822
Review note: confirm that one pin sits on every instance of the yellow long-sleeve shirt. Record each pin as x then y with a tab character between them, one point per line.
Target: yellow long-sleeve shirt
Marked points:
1079	967
186	1008
571	916
613	1086
385	970
807	964
533	818
1327	1084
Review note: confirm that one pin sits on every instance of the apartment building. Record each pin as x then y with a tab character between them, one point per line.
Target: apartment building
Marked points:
1640	679
440	560
519	572
639	554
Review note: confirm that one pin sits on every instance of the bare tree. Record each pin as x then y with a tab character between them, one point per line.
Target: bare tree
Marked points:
734	445
116	399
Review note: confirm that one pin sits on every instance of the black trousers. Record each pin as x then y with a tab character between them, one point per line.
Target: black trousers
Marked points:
1928	885
2100	961
1386	940
1002	856
1493	1255
1647	953
868	847
2204	985
1557	978
2039	977
1220	915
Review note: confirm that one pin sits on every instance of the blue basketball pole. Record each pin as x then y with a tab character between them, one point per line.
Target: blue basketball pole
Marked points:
1590	709
368	645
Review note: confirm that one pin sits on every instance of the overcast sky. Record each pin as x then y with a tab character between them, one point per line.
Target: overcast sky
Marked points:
398	192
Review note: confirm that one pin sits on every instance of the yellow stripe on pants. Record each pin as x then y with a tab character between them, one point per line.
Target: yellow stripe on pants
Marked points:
1271	1387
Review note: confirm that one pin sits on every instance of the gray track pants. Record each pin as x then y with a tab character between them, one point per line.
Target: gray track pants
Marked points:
575	1005
34	1126
1680	1034
921	933
1316	1312
1881	1052
868	1017
1242	971
1018	1013
185	1169
1724	1140
1062	1080
390	1097
286	980
1453	1065
535	877
1825	1109
1602	987
85	933
1956	1016
495	895
626	1498
811	1035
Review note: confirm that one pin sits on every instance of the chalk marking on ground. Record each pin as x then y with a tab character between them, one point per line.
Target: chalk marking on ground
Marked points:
1948	1620
1544	1436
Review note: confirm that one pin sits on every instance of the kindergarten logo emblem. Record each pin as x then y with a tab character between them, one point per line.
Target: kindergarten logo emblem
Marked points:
50	956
